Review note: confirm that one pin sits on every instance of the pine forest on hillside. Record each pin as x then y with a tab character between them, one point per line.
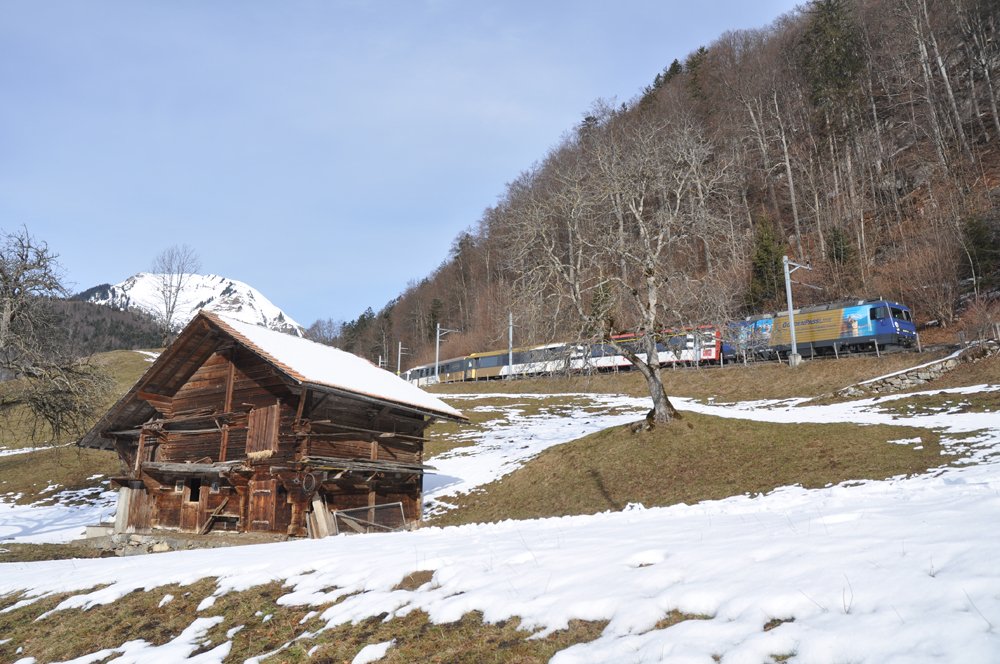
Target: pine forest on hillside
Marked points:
860	136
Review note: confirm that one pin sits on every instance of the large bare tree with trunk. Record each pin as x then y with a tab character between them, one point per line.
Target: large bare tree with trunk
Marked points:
621	231
60	389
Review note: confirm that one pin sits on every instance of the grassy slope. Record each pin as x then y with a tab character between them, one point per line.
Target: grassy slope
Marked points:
24	476
16	431
702	457
696	458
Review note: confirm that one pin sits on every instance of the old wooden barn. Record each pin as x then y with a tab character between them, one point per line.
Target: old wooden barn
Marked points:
238	427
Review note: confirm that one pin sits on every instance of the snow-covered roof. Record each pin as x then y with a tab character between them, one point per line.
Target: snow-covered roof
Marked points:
310	362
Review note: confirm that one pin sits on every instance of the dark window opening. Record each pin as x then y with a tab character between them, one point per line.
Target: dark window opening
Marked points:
194	495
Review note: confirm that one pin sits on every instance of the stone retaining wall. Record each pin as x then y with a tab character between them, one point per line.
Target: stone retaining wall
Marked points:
920	375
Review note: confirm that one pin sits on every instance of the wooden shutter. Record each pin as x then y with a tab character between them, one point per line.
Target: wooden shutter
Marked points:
262	429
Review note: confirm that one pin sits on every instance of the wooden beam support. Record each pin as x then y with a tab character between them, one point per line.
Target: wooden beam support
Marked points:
301	409
140	451
228	404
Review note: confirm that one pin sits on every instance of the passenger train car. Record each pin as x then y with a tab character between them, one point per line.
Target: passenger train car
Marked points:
701	345
856	326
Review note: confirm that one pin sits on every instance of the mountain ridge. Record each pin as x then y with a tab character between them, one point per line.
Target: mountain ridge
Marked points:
212	292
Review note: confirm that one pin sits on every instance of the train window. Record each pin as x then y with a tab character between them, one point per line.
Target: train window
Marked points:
878	313
491	361
900	314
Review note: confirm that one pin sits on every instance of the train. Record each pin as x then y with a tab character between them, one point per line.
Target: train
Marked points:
829	329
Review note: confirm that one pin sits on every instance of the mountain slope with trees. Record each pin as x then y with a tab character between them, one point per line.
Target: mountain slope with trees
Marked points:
858	135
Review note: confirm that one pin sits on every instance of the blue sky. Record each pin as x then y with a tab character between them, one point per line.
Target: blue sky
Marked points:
327	153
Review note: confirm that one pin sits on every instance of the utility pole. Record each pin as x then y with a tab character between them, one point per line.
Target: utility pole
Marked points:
794	359
399	358
437	349
510	344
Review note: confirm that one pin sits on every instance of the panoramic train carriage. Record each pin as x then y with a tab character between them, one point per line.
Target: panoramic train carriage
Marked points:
698	345
530	361
858	326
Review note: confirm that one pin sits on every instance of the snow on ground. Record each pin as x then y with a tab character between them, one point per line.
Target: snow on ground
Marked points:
506	443
901	570
62	521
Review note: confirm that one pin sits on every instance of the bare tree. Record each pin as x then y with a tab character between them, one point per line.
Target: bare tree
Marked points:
172	269
610	236
29	275
59	389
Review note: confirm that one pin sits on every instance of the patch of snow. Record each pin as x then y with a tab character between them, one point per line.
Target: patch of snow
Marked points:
373	652
51	524
166	600
875	571
507	443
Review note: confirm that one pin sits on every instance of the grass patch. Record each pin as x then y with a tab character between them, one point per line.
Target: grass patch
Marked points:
23	477
942	402
124	366
484	410
72	633
419	640
23	553
697	458
17	426
27	475
256	624
414	580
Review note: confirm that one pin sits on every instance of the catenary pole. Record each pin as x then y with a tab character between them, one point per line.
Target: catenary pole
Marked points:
794	359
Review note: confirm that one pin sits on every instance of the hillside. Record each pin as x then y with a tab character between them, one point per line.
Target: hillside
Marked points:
91	328
860	138
755	566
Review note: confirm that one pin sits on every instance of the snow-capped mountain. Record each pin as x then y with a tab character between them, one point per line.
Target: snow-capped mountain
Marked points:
232	298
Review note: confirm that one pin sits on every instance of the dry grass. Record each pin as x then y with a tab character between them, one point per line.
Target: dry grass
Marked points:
22	553
67	634
23	477
266	626
16	424
697	458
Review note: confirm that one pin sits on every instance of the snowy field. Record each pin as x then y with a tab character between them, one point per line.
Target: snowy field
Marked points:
902	570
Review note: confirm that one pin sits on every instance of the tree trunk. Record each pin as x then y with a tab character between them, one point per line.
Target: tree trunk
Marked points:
791	182
663	411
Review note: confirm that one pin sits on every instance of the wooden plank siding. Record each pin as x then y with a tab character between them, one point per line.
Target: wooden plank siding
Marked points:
216	436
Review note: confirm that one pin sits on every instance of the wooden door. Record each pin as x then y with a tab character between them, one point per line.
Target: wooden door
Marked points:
263	494
192	504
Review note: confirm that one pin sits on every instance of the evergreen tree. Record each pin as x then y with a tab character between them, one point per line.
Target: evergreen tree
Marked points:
831	55
766	270
839	249
981	239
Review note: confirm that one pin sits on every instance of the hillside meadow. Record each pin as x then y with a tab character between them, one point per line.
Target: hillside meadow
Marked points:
698	457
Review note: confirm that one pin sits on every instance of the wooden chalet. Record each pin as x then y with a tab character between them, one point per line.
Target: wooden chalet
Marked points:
238	427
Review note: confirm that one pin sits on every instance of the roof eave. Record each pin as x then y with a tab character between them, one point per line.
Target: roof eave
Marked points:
320	387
